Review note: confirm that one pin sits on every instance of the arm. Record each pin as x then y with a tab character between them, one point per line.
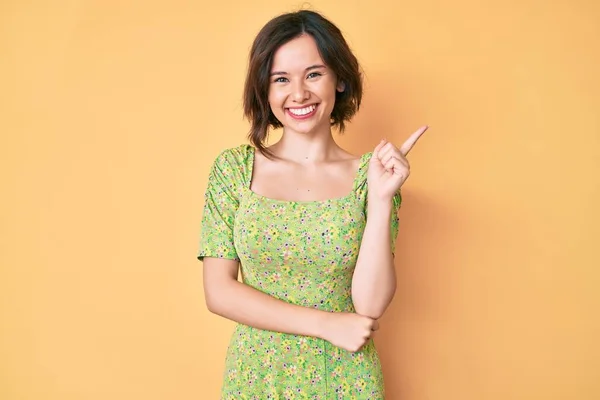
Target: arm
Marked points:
224	294
234	300
374	280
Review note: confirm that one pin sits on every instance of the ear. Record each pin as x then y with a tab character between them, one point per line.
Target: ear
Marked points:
341	87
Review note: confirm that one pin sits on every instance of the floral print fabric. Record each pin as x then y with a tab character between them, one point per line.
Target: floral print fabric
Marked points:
303	253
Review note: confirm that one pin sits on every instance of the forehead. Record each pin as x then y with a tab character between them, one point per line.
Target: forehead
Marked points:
298	53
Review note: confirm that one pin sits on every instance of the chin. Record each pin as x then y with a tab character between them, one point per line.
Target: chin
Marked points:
303	130
306	127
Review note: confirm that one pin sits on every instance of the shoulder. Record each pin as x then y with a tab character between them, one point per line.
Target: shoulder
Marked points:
363	167
234	164
235	155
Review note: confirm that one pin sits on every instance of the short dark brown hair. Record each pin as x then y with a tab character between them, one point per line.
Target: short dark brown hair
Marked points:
334	51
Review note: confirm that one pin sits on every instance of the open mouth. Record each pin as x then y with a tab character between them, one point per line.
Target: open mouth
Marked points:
302	113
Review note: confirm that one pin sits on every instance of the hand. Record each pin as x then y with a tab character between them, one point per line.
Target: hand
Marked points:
389	168
348	331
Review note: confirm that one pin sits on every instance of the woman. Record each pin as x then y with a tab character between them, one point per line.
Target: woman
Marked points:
317	273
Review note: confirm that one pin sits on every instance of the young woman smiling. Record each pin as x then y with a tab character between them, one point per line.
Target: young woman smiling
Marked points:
311	227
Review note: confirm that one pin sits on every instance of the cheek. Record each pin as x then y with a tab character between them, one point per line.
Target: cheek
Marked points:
276	97
327	91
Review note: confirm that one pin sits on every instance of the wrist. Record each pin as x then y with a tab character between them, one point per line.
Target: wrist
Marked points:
379	207
319	324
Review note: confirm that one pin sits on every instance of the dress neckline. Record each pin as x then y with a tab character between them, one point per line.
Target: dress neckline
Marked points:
358	177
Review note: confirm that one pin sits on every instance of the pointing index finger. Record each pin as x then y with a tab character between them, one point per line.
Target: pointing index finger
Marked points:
410	142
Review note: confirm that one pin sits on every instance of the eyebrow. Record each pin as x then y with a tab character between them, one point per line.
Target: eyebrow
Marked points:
316	66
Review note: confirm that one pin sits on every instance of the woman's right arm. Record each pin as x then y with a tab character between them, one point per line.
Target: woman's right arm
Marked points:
234	300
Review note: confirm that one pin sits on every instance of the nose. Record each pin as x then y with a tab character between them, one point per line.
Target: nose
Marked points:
299	92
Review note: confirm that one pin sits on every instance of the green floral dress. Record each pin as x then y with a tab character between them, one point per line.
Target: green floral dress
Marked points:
300	252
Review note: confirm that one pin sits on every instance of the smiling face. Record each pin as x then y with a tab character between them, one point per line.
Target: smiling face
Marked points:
302	88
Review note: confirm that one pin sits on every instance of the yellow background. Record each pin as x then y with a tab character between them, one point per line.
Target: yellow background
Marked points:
111	113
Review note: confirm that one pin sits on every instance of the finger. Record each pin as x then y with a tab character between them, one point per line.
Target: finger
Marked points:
397	169
410	142
391	152
395	165
385	150
394	154
375	325
394	162
373	335
378	148
390	164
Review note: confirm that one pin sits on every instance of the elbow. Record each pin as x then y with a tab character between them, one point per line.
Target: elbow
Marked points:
373	306
212	304
218	280
215	300
371	312
377	314
216	304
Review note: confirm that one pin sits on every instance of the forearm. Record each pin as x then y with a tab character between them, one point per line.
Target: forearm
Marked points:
374	279
241	303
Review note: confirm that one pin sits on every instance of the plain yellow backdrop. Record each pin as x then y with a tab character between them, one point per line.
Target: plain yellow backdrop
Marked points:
111	113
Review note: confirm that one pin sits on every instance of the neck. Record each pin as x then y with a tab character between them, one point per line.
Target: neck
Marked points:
306	148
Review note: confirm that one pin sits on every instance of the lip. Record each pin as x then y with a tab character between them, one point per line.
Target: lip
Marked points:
299	117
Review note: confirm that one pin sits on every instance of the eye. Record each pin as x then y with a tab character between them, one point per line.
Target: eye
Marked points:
281	79
313	75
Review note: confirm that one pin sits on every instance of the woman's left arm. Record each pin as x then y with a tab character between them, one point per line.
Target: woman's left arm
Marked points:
374	279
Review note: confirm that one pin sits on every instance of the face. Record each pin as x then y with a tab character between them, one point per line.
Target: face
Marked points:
302	88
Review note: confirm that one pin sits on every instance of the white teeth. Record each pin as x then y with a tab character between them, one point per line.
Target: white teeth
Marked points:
303	111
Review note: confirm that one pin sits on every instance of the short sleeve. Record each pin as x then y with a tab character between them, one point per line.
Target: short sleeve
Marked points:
221	201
